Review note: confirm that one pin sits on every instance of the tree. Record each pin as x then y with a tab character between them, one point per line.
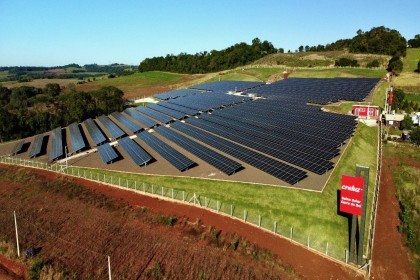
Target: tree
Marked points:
306	48
406	123
52	90
418	68
300	48
395	65
373	64
4	95
415	136
281	50
398	98
415	42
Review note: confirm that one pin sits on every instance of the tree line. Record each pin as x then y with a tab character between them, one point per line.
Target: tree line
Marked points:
28	73
27	111
213	61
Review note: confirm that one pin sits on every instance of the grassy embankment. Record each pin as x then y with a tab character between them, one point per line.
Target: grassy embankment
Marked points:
408	80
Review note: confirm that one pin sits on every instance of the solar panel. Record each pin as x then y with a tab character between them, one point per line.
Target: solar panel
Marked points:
125	121
155	115
77	141
317	165
167	111
17	147
221	162
175	94
273	167
57	150
178	160
147	122
137	154
112	128
36	146
107	153
176	107
225	86
94	132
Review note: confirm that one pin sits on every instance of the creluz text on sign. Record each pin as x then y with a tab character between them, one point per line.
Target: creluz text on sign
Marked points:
351	194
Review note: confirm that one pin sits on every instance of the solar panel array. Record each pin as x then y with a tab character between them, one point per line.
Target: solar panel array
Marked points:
209	101
146	121
36	146
112	128
94	132
273	167
137	154
77	141
178	160
107	153
278	134
57	150
155	115
167	111
175	94
226	86
17	147
320	91
221	162
125	121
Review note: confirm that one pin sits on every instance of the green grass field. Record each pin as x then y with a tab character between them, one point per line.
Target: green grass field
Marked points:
411	59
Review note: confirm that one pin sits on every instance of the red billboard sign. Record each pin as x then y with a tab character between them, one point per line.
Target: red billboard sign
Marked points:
351	194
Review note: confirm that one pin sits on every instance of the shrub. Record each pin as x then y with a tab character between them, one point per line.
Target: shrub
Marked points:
344	62
415	136
373	64
35	269
395	64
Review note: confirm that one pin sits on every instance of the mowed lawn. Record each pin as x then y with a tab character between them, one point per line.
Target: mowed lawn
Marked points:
411	59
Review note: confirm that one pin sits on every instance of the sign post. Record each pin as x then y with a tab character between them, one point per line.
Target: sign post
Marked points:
353	201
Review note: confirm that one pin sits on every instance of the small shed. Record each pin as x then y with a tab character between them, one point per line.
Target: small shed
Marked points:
365	111
393	119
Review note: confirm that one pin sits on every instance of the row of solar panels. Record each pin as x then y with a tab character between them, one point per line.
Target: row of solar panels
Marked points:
268	134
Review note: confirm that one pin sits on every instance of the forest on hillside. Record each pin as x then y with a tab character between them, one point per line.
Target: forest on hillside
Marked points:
378	40
27	111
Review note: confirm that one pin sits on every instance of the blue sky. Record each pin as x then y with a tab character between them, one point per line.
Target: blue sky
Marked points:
59	32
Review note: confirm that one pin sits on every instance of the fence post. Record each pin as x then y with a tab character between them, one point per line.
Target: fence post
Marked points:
217	206
308	242
119	181
259	220
346	256
144	187
162	191
109	268
135	185
244	215
291	233
172	193
17	236
153	191
231	210
326	249
127	184
183	195
275	227
111	179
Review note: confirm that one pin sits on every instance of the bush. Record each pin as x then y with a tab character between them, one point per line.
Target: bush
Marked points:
415	136
406	123
418	68
344	62
395	64
373	64
35	269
